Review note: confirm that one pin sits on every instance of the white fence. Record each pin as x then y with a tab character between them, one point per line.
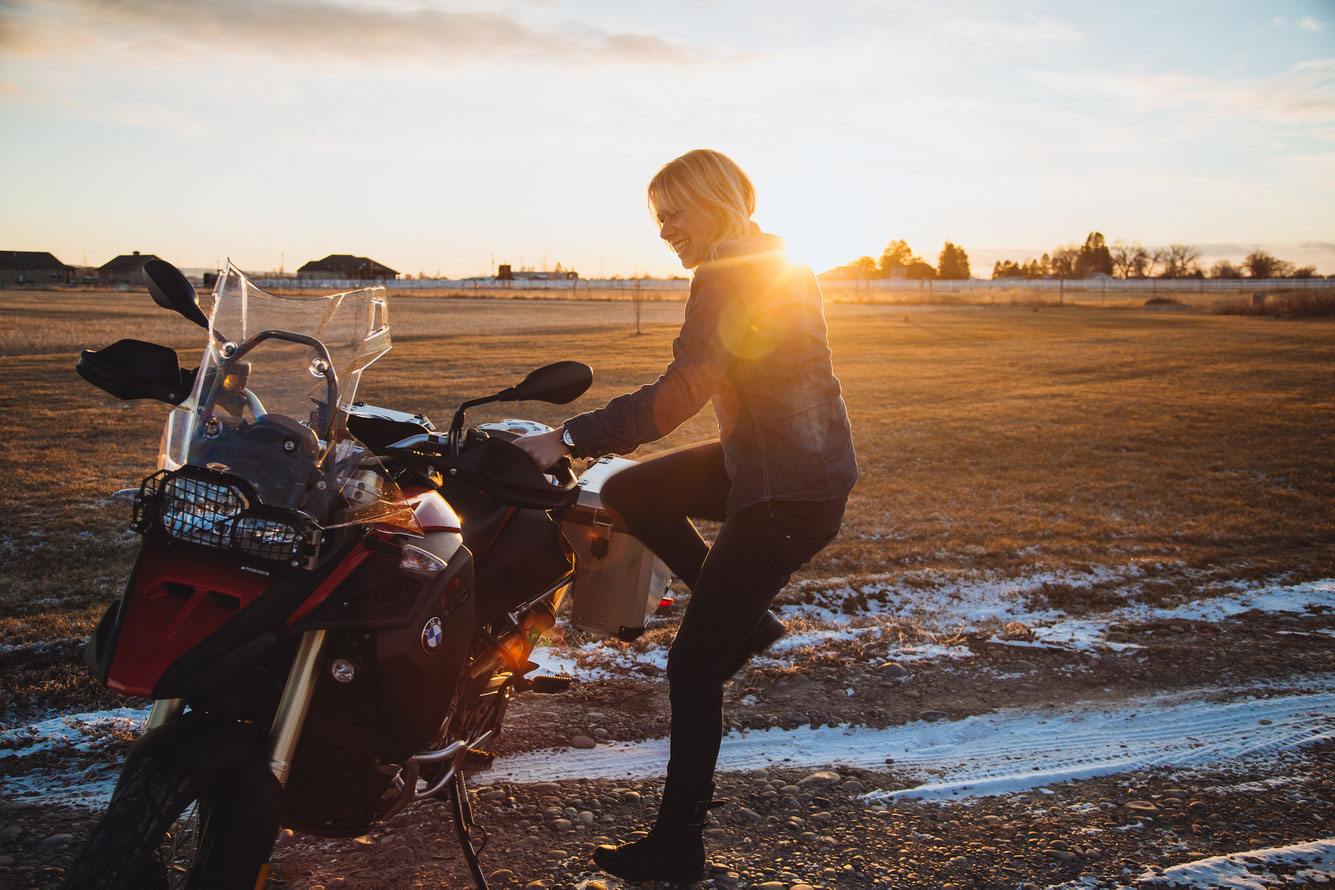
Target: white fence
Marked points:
480	285
1137	286
1083	289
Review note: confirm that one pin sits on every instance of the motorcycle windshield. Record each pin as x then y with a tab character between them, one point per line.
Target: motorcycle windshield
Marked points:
273	389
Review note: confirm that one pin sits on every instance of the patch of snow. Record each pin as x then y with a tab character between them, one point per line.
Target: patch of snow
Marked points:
89	787
1253	869
946	603
78	732
997	753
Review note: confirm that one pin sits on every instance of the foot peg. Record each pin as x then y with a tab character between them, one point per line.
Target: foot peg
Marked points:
545	685
475	759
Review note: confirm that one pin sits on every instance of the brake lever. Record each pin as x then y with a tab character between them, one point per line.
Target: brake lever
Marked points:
564	473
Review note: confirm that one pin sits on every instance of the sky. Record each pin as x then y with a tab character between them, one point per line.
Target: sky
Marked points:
443	137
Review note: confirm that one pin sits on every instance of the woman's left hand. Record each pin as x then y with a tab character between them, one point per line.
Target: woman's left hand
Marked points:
545	448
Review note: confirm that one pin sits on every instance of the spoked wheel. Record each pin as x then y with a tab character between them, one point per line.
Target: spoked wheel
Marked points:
172	826
182	846
152	835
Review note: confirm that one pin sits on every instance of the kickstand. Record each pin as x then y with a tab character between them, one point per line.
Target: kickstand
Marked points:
464	826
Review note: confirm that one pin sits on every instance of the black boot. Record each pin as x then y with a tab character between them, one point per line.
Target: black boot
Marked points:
767	632
673	850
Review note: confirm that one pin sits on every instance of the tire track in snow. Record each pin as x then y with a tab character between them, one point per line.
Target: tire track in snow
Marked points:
997	753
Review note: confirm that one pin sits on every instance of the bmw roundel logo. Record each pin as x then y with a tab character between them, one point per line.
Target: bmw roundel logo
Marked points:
432	635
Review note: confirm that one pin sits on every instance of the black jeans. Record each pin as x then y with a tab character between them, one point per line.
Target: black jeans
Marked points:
732	583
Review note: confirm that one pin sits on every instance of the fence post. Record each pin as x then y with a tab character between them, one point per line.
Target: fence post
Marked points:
637	301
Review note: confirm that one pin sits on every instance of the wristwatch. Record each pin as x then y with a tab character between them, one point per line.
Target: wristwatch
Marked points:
568	442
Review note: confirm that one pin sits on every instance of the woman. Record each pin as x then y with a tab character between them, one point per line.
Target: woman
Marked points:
754	342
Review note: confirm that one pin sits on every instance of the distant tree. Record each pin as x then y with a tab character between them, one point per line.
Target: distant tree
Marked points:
865	266
953	263
1155	258
1305	272
1179	261
1063	261
896	259
1133	260
1225	269
1123	256
1260	264
919	270
1030	268
1094	258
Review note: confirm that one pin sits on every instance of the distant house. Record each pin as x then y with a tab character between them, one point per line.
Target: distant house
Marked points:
124	269
32	267
345	267
504	272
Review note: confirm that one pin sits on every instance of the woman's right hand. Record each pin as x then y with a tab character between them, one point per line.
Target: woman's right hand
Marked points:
545	448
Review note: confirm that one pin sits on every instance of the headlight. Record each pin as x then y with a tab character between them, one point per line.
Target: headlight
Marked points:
266	539
200	512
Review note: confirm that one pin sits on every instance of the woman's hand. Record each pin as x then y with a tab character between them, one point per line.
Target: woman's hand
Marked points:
545	448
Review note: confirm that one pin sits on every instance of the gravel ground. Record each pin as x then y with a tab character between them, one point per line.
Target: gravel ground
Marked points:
791	828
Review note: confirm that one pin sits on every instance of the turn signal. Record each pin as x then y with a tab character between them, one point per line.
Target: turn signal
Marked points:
419	561
515	650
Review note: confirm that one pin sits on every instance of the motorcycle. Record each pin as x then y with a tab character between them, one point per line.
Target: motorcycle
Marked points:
333	602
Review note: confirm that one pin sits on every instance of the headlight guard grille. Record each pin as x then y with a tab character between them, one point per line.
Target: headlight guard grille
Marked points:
219	512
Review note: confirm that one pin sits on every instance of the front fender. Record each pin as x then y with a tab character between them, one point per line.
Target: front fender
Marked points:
202	742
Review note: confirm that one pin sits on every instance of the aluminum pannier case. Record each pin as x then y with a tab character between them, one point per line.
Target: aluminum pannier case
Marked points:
618	581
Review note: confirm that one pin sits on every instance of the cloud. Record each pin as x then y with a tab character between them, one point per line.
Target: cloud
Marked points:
371	33
1028	30
1307	23
1304	92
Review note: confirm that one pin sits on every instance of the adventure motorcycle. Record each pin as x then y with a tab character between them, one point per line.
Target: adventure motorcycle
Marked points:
332	603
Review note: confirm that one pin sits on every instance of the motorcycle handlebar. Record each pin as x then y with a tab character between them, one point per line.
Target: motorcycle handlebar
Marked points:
500	469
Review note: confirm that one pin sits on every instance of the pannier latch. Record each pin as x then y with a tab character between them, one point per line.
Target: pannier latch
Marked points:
602	533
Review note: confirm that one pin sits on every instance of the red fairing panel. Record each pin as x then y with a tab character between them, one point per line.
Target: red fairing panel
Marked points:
179	598
176	601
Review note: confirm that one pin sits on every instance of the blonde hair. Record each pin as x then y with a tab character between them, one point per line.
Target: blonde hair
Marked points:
711	181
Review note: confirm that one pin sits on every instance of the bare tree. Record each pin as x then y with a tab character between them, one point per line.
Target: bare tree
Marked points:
1128	260
1260	264
1180	261
1154	258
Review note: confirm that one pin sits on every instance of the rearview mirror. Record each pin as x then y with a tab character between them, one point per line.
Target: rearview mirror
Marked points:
557	383
171	290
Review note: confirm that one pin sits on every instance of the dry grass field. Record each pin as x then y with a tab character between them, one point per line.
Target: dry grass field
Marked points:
1007	439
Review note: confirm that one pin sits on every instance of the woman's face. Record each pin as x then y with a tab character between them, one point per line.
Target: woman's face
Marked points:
689	231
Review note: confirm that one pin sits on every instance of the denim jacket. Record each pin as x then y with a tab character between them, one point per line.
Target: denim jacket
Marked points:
754	342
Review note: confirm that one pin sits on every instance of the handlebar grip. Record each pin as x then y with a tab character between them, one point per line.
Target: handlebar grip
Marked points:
564	472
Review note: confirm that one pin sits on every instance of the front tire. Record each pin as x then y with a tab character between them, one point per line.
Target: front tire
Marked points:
174	825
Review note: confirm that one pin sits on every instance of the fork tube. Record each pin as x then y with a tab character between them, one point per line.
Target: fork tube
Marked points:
296	702
164	709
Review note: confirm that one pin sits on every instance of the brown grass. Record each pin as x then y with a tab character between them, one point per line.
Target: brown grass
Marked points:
993	438
1282	304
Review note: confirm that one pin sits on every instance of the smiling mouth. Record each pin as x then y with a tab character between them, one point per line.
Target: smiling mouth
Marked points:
679	246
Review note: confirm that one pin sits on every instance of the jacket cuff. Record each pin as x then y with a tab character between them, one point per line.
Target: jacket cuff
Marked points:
586	434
